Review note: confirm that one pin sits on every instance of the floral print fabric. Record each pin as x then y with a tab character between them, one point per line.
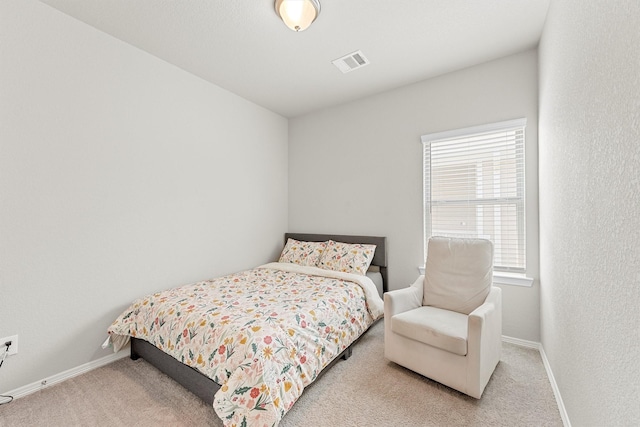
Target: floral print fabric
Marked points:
302	253
262	334
347	257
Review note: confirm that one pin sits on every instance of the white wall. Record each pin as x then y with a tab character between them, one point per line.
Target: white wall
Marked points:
589	207
357	168
119	175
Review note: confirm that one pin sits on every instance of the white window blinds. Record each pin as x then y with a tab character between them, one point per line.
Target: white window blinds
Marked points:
474	187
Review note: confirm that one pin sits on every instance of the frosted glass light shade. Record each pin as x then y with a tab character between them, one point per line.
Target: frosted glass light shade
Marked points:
298	14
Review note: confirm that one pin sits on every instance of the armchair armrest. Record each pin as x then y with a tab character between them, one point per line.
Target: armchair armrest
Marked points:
490	304
485	322
405	299
484	343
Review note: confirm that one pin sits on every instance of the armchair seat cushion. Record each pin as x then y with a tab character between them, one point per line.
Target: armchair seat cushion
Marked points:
443	329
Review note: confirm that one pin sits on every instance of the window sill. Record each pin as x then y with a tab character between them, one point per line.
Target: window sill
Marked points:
512	279
501	278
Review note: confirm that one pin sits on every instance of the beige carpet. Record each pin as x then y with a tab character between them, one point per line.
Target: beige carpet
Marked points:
365	390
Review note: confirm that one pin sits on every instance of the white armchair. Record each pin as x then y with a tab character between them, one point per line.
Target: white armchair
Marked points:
447	325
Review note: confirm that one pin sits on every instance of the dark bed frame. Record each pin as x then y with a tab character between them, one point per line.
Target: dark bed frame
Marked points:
203	386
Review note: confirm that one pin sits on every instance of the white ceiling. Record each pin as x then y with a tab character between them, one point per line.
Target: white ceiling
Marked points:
242	46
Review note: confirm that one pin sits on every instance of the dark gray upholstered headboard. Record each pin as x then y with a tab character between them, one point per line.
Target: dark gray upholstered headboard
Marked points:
379	257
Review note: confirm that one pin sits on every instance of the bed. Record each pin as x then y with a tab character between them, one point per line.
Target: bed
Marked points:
249	343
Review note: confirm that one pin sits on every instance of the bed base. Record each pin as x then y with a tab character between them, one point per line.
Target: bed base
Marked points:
194	381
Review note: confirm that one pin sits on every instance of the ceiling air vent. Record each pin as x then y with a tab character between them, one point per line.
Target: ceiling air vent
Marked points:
351	62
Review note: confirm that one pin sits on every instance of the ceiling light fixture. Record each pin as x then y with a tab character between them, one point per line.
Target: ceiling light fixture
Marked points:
298	14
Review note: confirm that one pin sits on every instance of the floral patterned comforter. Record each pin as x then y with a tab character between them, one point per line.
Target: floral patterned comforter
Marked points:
262	334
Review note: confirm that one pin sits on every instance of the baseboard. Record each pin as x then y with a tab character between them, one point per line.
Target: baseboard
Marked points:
521	343
556	390
547	367
62	376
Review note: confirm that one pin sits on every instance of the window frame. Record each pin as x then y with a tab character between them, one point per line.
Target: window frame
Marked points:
512	275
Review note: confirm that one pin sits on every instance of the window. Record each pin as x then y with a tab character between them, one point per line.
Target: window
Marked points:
474	187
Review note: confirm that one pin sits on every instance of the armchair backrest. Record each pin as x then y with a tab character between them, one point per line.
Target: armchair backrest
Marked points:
458	273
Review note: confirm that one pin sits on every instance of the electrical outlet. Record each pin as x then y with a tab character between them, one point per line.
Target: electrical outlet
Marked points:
14	344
